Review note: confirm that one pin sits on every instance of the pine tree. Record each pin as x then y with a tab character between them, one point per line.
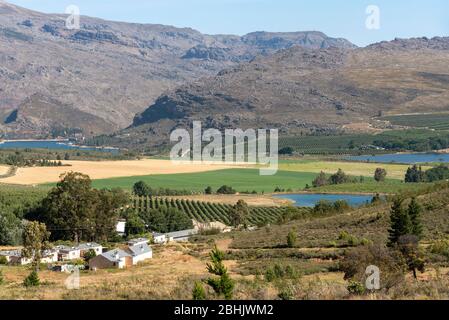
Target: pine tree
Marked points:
198	292
224	284
32	280
414	212
400	224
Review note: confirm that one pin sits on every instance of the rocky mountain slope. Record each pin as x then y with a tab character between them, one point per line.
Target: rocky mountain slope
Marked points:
109	71
299	89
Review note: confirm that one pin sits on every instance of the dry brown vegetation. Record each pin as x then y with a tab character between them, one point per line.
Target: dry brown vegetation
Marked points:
107	169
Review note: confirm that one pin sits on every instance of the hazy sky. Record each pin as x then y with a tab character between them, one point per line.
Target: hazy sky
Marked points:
337	18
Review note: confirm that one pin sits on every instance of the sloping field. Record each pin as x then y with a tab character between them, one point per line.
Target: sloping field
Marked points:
106	169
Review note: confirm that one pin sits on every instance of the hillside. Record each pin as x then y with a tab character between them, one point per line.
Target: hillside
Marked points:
303	89
109	71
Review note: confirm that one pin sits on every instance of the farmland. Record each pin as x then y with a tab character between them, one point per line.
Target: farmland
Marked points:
354	144
432	121
394	171
105	169
206	211
241	180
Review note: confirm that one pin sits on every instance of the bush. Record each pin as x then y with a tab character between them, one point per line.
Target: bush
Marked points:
355	287
380	174
208	190
389	261
198	292
32	280
226	190
1	278
440	247
3	260
291	239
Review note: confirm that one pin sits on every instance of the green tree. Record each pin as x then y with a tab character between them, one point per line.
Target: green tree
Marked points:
414	175
89	255
339	177
208	190
226	190
70	207
198	292
239	213
10	228
106	212
76	211
141	189
320	180
35	242
32	280
380	174
400	223
223	285
291	239
414	212
134	225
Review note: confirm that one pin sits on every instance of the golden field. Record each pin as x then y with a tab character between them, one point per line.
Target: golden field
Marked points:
394	171
106	169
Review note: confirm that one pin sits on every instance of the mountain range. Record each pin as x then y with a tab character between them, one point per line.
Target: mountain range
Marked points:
135	83
98	77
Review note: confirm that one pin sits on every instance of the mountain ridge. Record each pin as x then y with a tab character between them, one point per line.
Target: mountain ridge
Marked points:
113	70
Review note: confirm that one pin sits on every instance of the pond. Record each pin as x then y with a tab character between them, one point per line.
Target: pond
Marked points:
408	158
311	199
50	144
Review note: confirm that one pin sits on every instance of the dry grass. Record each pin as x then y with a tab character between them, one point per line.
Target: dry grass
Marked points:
394	171
107	169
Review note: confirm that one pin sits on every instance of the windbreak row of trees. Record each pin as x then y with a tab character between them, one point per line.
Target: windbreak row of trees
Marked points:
416	174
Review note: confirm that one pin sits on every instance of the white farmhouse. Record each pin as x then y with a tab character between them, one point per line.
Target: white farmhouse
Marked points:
68	253
140	252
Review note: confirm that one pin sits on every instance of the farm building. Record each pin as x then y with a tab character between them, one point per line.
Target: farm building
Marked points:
120	227
68	253
159	238
177	236
137	250
15	257
140	252
86	247
117	259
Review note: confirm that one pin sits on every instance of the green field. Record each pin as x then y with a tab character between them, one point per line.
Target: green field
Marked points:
433	121
241	180
353	144
370	186
206	211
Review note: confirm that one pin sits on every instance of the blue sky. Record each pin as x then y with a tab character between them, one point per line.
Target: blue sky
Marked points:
338	18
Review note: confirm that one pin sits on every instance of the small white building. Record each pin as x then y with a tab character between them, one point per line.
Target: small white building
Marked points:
177	236
68	253
49	256
135	242
117	259
181	236
15	257
120	227
159	238
86	247
140	252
